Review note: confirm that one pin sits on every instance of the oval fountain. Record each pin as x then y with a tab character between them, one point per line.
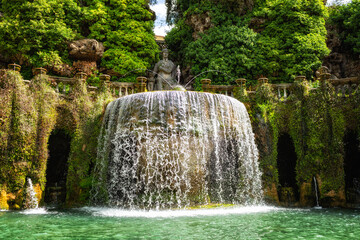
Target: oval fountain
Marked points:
175	149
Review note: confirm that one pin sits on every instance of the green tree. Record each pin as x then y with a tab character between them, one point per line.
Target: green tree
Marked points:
290	38
228	51
126	29
36	32
293	38
346	18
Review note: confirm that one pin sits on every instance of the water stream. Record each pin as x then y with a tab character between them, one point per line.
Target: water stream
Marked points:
31	201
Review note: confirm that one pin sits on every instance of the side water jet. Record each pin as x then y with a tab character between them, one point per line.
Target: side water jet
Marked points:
316	195
176	149
31	201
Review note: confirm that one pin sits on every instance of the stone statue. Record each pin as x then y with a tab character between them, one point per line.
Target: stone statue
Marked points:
165	73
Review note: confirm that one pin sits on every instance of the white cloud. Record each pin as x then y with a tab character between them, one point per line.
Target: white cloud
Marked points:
162	30
160	23
160	10
330	2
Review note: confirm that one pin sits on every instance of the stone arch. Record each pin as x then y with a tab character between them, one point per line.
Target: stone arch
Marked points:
57	167
286	163
352	166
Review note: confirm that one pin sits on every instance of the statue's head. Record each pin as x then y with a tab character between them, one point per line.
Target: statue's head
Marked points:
165	53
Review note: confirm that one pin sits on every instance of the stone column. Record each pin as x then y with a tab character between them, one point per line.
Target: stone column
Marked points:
105	80
81	76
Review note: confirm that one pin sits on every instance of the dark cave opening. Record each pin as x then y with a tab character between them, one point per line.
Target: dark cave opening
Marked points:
352	167
286	164
57	166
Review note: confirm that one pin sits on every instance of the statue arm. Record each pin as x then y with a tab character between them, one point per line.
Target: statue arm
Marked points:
156	69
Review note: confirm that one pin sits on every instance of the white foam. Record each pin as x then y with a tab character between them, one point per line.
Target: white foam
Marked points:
123	213
37	211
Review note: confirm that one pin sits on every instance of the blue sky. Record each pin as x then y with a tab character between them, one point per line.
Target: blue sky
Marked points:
160	9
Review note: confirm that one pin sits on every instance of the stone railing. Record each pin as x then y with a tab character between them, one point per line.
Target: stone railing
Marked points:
220	89
120	89
283	90
346	86
64	86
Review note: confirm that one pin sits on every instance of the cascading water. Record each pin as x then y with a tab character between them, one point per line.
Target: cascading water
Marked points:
31	201
175	149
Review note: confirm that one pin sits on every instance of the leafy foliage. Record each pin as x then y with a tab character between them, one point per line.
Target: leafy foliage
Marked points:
346	18
37	32
290	40
125	28
231	53
293	38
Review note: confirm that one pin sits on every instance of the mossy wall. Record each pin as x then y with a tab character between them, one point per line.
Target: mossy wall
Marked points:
316	119
27	117
29	113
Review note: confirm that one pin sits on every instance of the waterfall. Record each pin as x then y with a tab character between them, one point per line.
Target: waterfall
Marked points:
31	200
175	149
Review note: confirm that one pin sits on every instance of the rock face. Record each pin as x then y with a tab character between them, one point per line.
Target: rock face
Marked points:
341	63
85	52
200	23
86	49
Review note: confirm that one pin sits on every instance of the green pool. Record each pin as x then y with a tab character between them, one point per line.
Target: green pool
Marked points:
221	223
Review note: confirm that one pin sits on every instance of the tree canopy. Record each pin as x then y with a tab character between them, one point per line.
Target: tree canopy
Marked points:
346	18
37	32
275	38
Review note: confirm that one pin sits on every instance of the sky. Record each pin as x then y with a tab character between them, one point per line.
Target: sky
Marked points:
160	9
160	23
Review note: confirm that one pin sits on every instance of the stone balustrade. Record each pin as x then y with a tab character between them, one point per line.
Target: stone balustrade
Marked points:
120	89
343	87
62	85
346	86
283	90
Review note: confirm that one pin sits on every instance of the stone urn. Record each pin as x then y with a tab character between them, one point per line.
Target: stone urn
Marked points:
263	80
15	67
81	76
241	82
300	78
37	71
205	82
141	84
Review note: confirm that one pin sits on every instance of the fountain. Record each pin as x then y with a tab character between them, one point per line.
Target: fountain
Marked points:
176	149
316	195
31	201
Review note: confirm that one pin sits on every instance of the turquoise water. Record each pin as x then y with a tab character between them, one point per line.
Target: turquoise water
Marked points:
229	223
